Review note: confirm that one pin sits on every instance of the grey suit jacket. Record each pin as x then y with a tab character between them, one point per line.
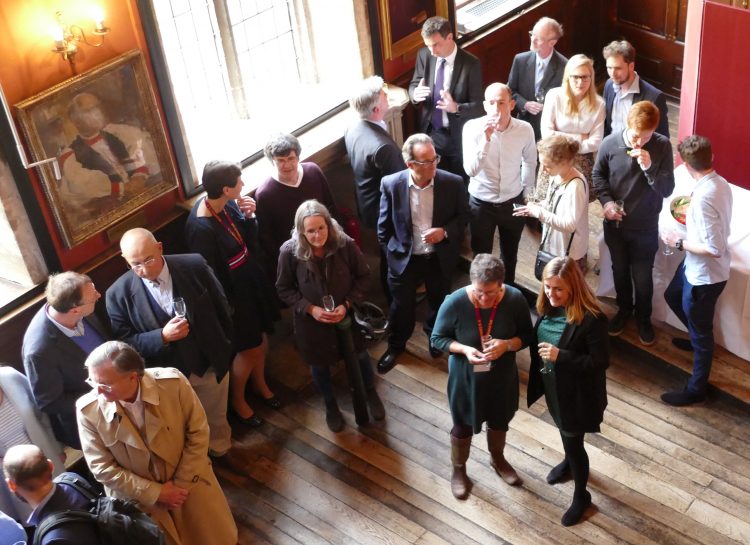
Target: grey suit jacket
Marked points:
522	78
134	320
373	154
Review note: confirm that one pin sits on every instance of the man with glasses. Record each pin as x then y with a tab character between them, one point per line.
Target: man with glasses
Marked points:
423	213
146	438
536	71
624	88
142	312
500	158
447	89
59	337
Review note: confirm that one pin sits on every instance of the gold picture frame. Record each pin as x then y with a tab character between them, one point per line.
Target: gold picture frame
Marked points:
401	23
104	128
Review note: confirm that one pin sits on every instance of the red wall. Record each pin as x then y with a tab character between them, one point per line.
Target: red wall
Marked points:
717	67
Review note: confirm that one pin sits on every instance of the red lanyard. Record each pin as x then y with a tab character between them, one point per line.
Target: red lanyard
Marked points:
479	318
228	224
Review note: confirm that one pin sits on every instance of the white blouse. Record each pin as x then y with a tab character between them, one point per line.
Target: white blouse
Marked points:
587	126
571	215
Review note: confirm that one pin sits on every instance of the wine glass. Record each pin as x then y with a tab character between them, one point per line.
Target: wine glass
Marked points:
328	303
619	208
546	366
540	94
179	307
485	340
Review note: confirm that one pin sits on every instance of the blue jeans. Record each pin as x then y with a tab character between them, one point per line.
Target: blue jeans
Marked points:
694	306
633	255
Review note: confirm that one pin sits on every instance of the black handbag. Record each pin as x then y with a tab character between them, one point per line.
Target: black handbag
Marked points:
543	256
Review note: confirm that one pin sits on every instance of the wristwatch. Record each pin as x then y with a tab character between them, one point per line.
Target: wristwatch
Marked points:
678	244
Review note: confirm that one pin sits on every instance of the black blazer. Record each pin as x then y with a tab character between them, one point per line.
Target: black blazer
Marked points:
465	88
54	367
450	211
648	92
64	498
209	342
579	372
521	81
373	154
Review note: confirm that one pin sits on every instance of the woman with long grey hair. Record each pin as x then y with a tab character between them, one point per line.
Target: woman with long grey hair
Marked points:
321	273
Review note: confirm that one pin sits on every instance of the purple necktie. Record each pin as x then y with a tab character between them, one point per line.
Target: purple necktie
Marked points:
437	113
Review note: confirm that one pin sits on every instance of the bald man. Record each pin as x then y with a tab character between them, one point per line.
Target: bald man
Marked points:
142	312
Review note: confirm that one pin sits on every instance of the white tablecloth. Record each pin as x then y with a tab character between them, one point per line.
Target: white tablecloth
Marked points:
732	317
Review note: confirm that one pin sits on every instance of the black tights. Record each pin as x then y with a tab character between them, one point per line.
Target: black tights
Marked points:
575	454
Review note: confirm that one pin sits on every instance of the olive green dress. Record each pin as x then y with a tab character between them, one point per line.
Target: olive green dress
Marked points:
492	397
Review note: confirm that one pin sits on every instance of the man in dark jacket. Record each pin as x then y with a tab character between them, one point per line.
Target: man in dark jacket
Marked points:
142	312
29	475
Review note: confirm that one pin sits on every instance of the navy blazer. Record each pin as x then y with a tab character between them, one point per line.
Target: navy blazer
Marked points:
579	372
209	342
450	211
522	78
465	87
54	367
647	92
373	154
70	533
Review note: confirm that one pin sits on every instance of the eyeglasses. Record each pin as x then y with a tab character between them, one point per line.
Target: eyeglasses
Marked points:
103	387
491	293
434	161
539	38
576	77
140	266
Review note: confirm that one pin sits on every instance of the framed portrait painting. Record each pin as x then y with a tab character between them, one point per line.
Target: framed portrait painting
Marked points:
401	23
104	128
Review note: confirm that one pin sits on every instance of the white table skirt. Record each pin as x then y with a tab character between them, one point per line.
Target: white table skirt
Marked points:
732	316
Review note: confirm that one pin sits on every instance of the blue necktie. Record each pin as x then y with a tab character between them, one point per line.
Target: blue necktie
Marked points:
437	113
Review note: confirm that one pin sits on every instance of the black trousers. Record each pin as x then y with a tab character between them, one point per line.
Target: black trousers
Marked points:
402	314
451	156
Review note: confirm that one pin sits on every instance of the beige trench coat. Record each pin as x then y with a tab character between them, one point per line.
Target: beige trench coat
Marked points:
175	448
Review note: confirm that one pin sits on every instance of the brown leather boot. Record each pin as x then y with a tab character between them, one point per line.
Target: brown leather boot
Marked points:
496	446
460	483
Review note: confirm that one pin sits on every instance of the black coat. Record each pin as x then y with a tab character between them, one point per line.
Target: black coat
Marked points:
302	283
209	342
647	92
579	373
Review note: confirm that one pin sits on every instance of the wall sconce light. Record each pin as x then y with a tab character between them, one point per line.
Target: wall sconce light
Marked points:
67	37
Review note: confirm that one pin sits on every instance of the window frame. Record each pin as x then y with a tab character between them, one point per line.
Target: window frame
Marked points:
528	5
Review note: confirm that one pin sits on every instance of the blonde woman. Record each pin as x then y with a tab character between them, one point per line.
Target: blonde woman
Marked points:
574	109
564	213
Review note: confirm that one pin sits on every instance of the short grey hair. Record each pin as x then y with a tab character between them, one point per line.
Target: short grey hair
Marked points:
125	359
487	268
551	23
436	24
65	290
367	96
281	145
407	150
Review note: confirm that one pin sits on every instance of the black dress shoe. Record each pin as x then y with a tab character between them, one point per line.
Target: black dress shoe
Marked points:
683	344
388	360
434	352
273	402
253	421
683	398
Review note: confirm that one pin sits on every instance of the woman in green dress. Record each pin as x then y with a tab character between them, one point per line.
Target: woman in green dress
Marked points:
482	325
568	365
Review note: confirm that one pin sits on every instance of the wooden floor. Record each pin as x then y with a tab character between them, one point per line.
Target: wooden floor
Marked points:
659	475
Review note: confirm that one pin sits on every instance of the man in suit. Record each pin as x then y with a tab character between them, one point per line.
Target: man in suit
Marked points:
59	337
536	71
423	213
141	310
373	154
28	474
624	88
145	438
447	86
500	156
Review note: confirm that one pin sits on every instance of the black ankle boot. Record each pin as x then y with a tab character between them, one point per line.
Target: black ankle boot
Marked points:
334	418
577	509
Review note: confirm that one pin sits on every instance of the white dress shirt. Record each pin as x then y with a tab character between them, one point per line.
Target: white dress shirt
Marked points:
622	103
503	167
161	289
421	202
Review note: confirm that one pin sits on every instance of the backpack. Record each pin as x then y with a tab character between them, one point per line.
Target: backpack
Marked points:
118	522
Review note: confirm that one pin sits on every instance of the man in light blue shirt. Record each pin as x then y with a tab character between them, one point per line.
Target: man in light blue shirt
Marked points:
702	276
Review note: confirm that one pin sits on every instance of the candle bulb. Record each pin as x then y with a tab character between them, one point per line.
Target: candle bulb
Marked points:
58	36
98	14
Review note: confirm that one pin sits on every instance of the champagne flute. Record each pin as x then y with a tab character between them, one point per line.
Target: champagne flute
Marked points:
619	208
179	307
540	94
328	303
